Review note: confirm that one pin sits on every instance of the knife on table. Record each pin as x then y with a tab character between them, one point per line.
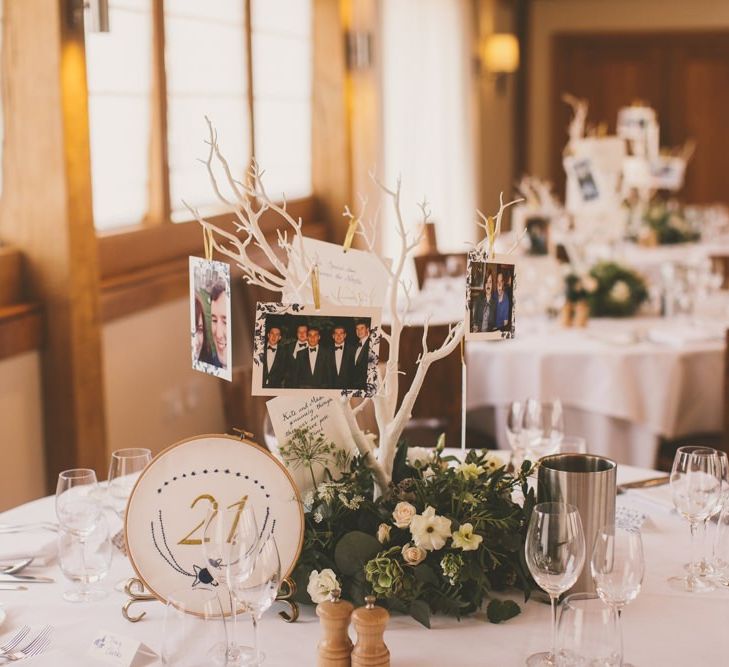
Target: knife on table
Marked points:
24	579
9	587
644	483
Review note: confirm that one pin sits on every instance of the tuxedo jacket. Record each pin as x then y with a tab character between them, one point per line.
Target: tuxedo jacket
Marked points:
276	375
359	375
291	379
321	378
343	378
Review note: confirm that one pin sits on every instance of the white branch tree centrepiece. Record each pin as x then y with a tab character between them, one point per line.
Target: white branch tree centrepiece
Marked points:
249	201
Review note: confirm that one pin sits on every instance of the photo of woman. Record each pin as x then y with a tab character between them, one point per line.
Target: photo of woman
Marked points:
490	297
484	318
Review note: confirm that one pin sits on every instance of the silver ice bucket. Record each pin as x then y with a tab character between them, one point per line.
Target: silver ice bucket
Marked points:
587	482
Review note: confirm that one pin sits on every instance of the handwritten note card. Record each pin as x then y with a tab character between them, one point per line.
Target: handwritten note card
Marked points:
321	414
114	649
354	278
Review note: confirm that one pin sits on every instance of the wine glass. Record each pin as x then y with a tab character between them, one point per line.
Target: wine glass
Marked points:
543	427
555	555
618	567
514	432
696	490
192	628
124	470
588	633
85	559
712	563
77	506
230	545
259	591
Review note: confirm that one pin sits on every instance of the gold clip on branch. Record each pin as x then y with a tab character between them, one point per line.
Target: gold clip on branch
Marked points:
208	242
351	230
315	286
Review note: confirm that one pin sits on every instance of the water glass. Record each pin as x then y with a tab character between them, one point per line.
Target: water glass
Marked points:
124	470
573	444
85	559
193	628
555	556
259	591
230	546
618	568
588	635
77	506
696	489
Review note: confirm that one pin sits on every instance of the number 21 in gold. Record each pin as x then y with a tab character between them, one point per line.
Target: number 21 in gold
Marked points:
196	541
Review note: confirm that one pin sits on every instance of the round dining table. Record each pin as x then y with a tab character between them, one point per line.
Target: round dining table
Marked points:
661	627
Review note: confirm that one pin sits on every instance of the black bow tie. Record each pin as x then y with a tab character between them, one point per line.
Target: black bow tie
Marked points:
312	349
338	347
361	344
301	345
273	349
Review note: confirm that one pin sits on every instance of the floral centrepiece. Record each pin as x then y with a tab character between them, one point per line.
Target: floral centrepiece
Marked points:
665	223
619	292
440	541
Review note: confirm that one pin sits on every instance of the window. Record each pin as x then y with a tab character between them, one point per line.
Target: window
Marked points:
119	118
206	74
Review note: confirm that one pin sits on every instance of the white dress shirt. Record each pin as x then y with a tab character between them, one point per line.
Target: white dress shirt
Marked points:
270	355
338	355
312	357
298	347
360	347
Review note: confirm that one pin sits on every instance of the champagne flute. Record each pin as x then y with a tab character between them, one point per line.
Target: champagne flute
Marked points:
514	432
587	633
124	470
77	507
618	567
543	427
230	545
259	591
696	490
555	556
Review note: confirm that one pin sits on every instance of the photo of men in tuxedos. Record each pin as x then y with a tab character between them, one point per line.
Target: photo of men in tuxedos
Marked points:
361	354
299	344
342	358
275	360
313	364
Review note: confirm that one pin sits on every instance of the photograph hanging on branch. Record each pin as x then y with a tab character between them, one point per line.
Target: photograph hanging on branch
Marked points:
490	291
210	317
333	350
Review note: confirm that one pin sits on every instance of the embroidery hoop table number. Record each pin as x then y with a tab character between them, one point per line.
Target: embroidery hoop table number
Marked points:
168	505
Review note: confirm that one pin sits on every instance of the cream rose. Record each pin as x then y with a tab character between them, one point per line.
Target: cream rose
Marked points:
403	514
413	555
321	584
383	533
419	457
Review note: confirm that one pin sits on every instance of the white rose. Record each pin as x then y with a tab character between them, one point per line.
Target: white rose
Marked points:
403	514
620	292
429	530
413	555
464	538
321	584
419	457
383	533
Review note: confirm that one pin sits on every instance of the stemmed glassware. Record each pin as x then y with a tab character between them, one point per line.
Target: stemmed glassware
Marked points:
83	538
230	545
696	489
260	590
555	556
124	470
618	567
543	427
587	633
514	432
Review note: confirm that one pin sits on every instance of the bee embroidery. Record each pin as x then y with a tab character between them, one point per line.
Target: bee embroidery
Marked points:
203	576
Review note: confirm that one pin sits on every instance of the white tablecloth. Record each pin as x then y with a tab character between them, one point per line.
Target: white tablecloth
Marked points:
661	627
620	391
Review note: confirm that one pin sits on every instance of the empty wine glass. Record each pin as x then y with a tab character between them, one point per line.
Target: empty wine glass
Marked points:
588	633
77	505
543	427
514	432
259	591
618	567
192	628
85	559
230	546
696	490
711	563
124	470
555	556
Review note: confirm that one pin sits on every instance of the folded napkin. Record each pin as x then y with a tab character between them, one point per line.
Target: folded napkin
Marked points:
40	544
683	334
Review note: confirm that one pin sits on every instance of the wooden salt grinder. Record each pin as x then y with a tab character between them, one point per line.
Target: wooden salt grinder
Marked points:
370	623
335	647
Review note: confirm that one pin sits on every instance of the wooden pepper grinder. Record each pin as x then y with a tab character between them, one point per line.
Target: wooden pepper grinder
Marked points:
335	647
370	623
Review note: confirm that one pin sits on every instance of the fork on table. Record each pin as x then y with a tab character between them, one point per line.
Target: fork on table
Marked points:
35	647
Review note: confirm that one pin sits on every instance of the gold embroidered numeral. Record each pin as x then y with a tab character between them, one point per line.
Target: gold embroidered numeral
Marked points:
195	541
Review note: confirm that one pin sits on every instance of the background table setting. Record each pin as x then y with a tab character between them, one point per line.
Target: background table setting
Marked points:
695	623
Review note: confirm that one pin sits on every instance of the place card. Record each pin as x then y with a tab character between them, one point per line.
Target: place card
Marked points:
115	649
352	278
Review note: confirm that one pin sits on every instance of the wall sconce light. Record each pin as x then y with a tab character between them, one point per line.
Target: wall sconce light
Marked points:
499	57
98	14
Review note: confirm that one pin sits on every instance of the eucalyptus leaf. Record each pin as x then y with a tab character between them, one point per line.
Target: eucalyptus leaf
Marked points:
420	611
353	550
502	610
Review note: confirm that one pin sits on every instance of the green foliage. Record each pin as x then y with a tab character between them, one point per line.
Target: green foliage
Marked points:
666	222
342	522
502	610
620	291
